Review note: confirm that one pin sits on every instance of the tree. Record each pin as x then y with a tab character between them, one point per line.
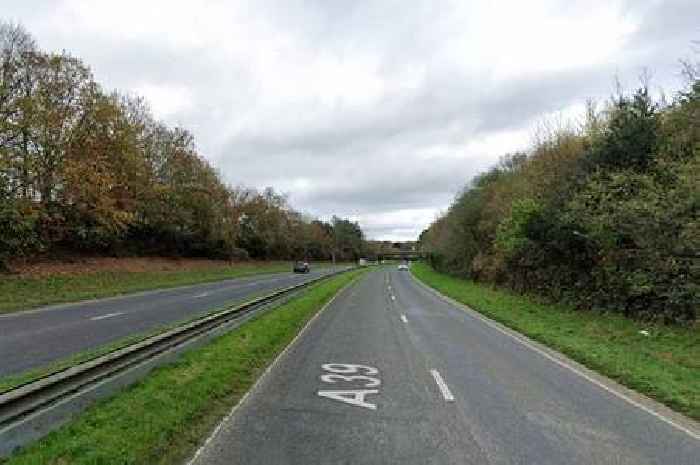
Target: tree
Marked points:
603	216
17	217
348	239
630	138
84	169
16	49
103	175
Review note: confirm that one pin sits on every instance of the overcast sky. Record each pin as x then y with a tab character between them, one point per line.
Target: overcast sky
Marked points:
379	111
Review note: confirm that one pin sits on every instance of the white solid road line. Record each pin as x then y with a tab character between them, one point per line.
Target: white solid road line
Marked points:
562	363
443	386
109	315
403	318
264	375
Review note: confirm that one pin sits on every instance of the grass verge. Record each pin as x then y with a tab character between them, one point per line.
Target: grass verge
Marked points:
21	293
664	365
12	381
163	418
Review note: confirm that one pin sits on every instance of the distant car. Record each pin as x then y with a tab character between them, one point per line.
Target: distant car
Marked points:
301	267
403	267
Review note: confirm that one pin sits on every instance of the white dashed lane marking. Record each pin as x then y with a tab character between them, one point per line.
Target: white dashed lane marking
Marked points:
442	386
109	315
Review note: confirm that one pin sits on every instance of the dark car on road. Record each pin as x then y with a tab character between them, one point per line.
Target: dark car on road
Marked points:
301	267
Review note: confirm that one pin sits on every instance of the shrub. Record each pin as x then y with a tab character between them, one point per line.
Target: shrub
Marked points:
17	232
512	233
631	137
607	216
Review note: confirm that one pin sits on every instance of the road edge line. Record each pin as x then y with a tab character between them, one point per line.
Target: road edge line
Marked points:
655	408
262	377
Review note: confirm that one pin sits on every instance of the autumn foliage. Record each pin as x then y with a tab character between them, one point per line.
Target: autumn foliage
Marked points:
87	170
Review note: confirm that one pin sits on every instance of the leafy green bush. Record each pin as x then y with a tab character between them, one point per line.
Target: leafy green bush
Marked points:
630	139
647	230
511	236
607	217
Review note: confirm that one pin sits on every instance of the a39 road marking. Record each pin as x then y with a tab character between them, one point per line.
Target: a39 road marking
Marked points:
350	373
332	378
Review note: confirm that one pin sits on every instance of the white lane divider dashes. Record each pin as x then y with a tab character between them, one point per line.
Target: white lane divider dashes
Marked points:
109	315
442	386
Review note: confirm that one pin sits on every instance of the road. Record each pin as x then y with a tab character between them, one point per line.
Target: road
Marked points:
35	338
390	373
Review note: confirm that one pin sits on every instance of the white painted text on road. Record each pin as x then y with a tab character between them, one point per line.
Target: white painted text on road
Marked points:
344	374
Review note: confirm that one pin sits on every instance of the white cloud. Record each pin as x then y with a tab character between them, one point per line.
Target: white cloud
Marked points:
165	99
377	110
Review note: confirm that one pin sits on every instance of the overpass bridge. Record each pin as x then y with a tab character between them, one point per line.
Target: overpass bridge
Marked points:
393	250
408	255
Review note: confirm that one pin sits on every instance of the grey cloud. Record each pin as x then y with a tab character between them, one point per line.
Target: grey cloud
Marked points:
373	159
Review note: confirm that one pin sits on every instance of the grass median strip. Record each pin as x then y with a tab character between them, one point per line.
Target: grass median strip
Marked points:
161	419
663	364
12	381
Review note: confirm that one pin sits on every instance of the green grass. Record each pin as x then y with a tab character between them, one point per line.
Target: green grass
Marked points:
20	293
664	365
12	381
163	418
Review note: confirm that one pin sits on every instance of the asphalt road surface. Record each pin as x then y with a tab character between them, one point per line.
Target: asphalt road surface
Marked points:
391	374
37	337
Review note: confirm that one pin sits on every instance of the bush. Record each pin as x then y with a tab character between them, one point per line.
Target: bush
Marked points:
17	232
512	233
630	139
606	217
647	230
